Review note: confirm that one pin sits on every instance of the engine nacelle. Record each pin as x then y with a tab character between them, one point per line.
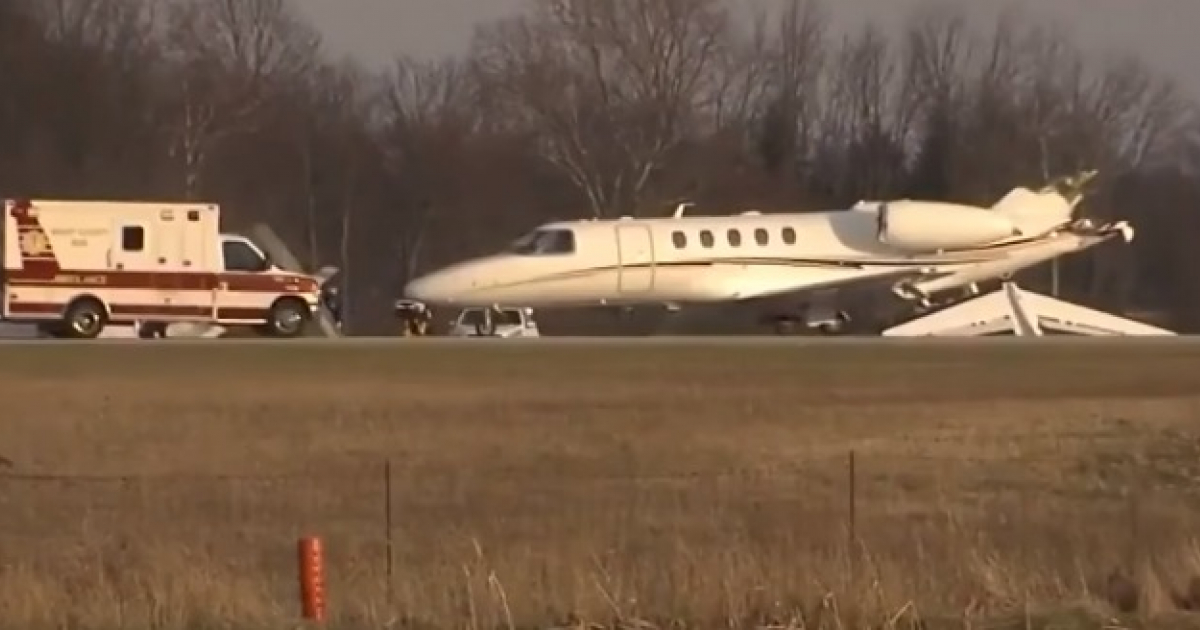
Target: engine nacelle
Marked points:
925	226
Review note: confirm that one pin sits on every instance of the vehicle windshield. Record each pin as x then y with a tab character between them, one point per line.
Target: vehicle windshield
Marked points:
542	242
506	317
239	256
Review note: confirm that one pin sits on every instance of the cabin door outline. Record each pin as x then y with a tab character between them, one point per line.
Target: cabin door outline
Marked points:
636	266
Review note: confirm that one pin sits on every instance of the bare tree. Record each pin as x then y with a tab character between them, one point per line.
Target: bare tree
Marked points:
937	52
740	77
787	119
230	54
327	115
110	26
609	87
865	120
89	82
426	115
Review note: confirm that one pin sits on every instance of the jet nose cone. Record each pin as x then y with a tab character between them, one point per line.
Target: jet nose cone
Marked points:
459	284
423	289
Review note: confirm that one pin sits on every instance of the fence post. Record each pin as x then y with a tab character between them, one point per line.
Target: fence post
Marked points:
852	498
1135	534
387	522
312	579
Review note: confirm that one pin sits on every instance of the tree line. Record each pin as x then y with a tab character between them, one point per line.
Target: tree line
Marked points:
590	109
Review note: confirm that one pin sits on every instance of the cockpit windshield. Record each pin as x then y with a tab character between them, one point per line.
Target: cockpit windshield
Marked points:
543	242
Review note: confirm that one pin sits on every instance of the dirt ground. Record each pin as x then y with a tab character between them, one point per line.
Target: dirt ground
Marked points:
165	486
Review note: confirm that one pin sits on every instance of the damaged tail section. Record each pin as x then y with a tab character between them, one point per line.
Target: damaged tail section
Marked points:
1037	212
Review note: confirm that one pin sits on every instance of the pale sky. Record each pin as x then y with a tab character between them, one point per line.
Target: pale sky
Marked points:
1162	32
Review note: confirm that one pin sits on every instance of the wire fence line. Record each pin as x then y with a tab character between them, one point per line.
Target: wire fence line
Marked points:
403	532
847	462
389	508
845	478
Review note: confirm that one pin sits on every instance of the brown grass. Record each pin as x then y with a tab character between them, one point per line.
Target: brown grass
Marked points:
161	486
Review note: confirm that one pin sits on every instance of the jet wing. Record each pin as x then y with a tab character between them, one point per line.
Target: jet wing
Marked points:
842	280
784	293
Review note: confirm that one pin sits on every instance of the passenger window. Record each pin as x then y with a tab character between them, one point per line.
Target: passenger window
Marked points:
542	242
761	237
133	238
735	237
240	257
680	240
706	238
789	236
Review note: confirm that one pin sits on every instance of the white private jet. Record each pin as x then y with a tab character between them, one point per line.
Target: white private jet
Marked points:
919	248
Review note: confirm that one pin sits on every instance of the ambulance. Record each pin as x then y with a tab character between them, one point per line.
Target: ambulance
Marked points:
74	267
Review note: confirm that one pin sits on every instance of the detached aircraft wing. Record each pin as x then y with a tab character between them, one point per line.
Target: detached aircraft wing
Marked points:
1021	313
279	252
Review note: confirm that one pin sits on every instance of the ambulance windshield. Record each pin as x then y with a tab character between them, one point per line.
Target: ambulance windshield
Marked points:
241	257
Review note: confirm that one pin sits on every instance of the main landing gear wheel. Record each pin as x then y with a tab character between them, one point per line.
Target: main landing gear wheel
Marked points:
784	326
84	319
788	325
831	328
288	318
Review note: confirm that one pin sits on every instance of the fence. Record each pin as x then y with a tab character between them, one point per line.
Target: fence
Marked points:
401	528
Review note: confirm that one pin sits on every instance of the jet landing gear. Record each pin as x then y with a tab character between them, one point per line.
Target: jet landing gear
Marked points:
927	304
822	320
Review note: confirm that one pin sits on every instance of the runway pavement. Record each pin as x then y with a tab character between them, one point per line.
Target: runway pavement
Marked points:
730	341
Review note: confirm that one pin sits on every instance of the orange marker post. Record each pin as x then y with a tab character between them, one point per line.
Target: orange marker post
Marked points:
312	579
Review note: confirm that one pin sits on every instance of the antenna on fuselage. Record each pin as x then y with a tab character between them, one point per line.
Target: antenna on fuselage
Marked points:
683	205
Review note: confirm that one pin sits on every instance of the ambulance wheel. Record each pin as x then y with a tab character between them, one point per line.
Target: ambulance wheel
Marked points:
288	318
85	319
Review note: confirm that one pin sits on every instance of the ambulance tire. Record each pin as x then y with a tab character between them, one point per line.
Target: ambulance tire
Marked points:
287	318
85	318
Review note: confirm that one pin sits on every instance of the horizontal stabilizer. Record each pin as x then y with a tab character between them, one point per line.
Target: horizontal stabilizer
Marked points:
1023	313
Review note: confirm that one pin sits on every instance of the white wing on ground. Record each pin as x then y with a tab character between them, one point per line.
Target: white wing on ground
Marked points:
265	237
1023	313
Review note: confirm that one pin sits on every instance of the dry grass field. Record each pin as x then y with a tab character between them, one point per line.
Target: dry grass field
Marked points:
163	486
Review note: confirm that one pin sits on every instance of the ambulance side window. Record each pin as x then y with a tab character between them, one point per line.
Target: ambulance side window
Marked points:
239	257
133	238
